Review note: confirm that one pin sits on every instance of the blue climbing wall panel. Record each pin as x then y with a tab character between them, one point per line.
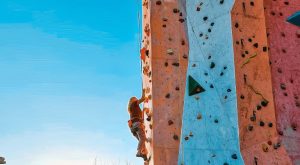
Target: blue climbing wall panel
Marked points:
210	120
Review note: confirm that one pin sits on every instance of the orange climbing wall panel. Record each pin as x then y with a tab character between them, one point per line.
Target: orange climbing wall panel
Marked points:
284	44
165	39
257	122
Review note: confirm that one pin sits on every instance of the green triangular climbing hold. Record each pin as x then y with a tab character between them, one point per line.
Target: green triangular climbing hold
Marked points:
295	19
194	87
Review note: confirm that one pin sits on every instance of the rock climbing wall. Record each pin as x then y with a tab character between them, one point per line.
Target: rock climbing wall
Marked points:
258	136
284	52
210	68
147	75
164	73
210	120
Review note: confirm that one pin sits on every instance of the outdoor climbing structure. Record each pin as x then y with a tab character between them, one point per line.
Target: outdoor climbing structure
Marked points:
164	71
210	120
224	81
284	52
258	136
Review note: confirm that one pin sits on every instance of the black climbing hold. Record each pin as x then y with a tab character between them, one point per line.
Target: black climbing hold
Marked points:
175	10
228	90
282	86
221	74
209	30
264	103
170	122
168	95
234	156
186	138
212	24
250	127
194	87
249	39
294	19
225	97
211	86
265	49
205	18
177	88
258	107
206	74
294	126
216	121
270	125
221	2
166	64
236	25
252	3
148	118
198	8
212	65
201	34
261	123
158	2
242	97
175	64
175	137
225	164
255	45
181	20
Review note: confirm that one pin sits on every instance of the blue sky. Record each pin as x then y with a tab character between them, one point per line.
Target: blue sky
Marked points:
67	71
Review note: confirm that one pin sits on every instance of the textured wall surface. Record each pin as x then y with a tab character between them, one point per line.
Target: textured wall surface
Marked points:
210	126
246	57
257	122
168	50
284	44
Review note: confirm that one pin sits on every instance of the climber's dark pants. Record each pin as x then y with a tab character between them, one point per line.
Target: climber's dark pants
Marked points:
138	131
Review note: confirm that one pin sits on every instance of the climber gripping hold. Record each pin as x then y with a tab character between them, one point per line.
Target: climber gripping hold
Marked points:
136	124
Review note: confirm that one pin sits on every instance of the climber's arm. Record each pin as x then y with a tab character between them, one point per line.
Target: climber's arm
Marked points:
143	97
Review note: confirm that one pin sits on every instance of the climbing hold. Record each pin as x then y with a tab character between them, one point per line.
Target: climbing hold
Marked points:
175	64
194	87
199	116
261	123
265	147
175	10
264	103
294	19
158	2
250	127
186	138
170	51
212	65
258	107
168	95
276	146
170	122
294	126
191	134
270	125
234	156
282	86
175	137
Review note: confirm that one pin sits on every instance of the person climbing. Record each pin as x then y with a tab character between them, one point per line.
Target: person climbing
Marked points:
136	124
